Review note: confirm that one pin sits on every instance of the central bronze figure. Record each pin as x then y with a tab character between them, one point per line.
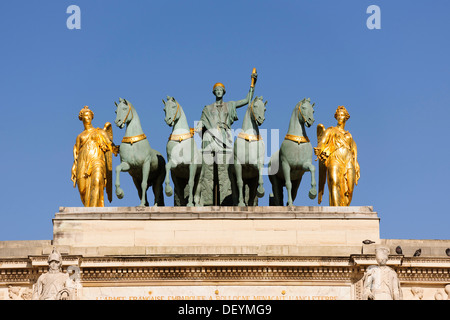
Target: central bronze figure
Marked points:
217	146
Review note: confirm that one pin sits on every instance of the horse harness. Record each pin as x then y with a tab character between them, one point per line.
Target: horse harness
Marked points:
298	139
132	139
247	136
182	136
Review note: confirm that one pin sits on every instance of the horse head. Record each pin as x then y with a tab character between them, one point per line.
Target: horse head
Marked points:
306	112
171	110
258	109
123	113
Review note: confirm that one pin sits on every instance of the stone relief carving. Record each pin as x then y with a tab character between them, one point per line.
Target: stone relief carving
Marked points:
417	293
440	295
19	293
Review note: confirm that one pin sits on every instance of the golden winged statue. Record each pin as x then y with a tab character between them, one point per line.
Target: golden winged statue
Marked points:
338	165
92	166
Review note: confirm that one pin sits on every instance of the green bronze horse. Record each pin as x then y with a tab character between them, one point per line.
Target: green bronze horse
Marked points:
294	158
184	160
145	165
249	151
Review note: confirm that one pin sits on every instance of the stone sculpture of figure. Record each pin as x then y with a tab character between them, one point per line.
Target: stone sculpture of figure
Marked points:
380	281
92	166
338	164
55	284
217	145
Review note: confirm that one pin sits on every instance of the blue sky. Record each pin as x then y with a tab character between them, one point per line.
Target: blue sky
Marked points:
394	82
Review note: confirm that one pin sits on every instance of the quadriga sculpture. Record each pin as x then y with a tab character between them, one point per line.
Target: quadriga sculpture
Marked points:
145	165
294	158
184	161
249	151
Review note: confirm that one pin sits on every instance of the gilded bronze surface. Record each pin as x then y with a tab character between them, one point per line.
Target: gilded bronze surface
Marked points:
338	164
298	139
181	137
134	139
249	137
92	166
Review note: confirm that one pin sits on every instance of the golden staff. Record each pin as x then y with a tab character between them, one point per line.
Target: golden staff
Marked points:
253	79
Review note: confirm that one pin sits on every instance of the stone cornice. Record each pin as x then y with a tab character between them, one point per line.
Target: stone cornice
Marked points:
213	213
123	270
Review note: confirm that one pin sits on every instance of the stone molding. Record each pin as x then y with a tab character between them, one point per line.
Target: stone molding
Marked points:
130	269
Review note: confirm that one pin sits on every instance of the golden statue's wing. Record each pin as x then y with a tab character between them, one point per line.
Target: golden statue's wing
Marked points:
108	160
108	130
322	167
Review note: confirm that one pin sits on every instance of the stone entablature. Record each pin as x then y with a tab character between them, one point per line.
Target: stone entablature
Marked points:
432	275
254	265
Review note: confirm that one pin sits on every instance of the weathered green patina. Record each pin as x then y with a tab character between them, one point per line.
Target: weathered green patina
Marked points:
145	165
216	181
184	161
249	151
294	158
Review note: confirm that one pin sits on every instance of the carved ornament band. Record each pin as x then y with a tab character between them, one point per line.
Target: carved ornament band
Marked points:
249	137
298	139
134	139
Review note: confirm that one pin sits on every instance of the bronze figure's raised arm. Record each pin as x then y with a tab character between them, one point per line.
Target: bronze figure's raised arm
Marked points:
217	183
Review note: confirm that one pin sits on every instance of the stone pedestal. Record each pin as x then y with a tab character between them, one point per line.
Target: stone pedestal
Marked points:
217	230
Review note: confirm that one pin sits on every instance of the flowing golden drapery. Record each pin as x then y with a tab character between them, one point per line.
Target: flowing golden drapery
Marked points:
338	166
92	165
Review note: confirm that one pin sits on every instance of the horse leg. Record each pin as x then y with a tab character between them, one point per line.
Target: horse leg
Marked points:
313	191
137	183
198	190
295	185
260	191
179	185
287	178
192	173
280	185
123	166
158	181
158	191
252	194
144	182
240	182
276	197
168	189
